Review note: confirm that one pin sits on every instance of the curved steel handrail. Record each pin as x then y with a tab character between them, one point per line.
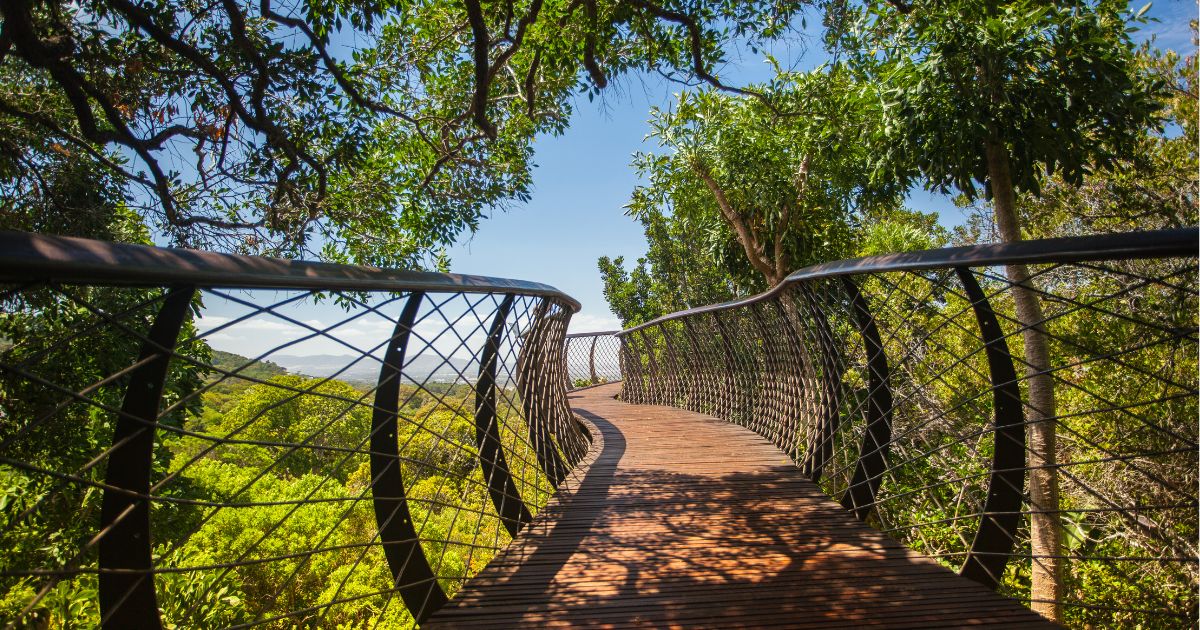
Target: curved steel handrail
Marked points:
1150	244
903	388
510	426
610	361
26	256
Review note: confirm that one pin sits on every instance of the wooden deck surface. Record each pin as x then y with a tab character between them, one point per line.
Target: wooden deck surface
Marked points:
677	519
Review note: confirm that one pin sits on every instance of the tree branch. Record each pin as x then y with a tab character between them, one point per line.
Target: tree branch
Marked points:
589	47
522	26
745	235
696	48
531	84
331	65
800	182
482	43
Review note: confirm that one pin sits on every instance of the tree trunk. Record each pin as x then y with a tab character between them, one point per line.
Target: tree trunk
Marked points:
1045	527
751	241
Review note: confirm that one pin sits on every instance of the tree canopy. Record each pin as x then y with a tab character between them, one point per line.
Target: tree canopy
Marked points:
771	186
1056	85
377	131
746	190
1154	188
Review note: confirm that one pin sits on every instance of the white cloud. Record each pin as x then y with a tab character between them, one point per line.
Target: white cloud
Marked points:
265	333
592	322
208	322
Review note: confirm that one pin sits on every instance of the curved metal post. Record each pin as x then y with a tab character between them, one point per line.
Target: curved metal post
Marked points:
592	360
570	435
126	582
733	396
690	368
745	357
633	389
675	373
771	379
629	386
820	447
702	394
412	576
995	537
796	406
533	383
872	455
505	496
558	420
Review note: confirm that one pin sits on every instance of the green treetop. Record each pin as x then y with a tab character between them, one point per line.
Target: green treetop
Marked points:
382	130
748	189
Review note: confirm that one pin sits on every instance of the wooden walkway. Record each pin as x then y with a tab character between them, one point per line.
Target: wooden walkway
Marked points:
677	519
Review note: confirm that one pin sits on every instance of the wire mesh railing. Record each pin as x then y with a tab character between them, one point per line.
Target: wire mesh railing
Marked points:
1053	458
592	358
200	440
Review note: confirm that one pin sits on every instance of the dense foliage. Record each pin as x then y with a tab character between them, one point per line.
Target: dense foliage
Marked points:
746	191
367	131
1054	85
256	495
379	132
1058	121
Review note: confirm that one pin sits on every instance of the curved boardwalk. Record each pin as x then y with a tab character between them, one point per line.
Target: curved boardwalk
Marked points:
677	519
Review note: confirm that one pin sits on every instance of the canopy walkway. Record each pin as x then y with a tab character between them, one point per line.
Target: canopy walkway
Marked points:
861	445
677	519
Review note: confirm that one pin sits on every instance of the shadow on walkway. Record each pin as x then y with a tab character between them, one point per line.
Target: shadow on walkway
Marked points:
681	520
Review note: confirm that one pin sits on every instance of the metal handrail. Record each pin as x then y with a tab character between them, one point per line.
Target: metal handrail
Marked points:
499	432
26	256
1126	246
902	385
603	363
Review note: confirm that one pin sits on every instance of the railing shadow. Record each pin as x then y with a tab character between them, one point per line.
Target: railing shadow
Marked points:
639	543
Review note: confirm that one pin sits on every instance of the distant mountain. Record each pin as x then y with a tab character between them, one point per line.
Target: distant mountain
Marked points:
366	369
228	362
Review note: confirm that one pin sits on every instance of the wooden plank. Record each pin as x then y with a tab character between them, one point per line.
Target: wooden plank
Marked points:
677	519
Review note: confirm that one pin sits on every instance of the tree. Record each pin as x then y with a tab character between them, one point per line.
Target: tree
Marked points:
677	273
1002	94
747	192
374	131
55	404
771	188
1156	189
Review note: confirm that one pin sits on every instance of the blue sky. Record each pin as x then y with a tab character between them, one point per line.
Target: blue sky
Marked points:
583	180
581	184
